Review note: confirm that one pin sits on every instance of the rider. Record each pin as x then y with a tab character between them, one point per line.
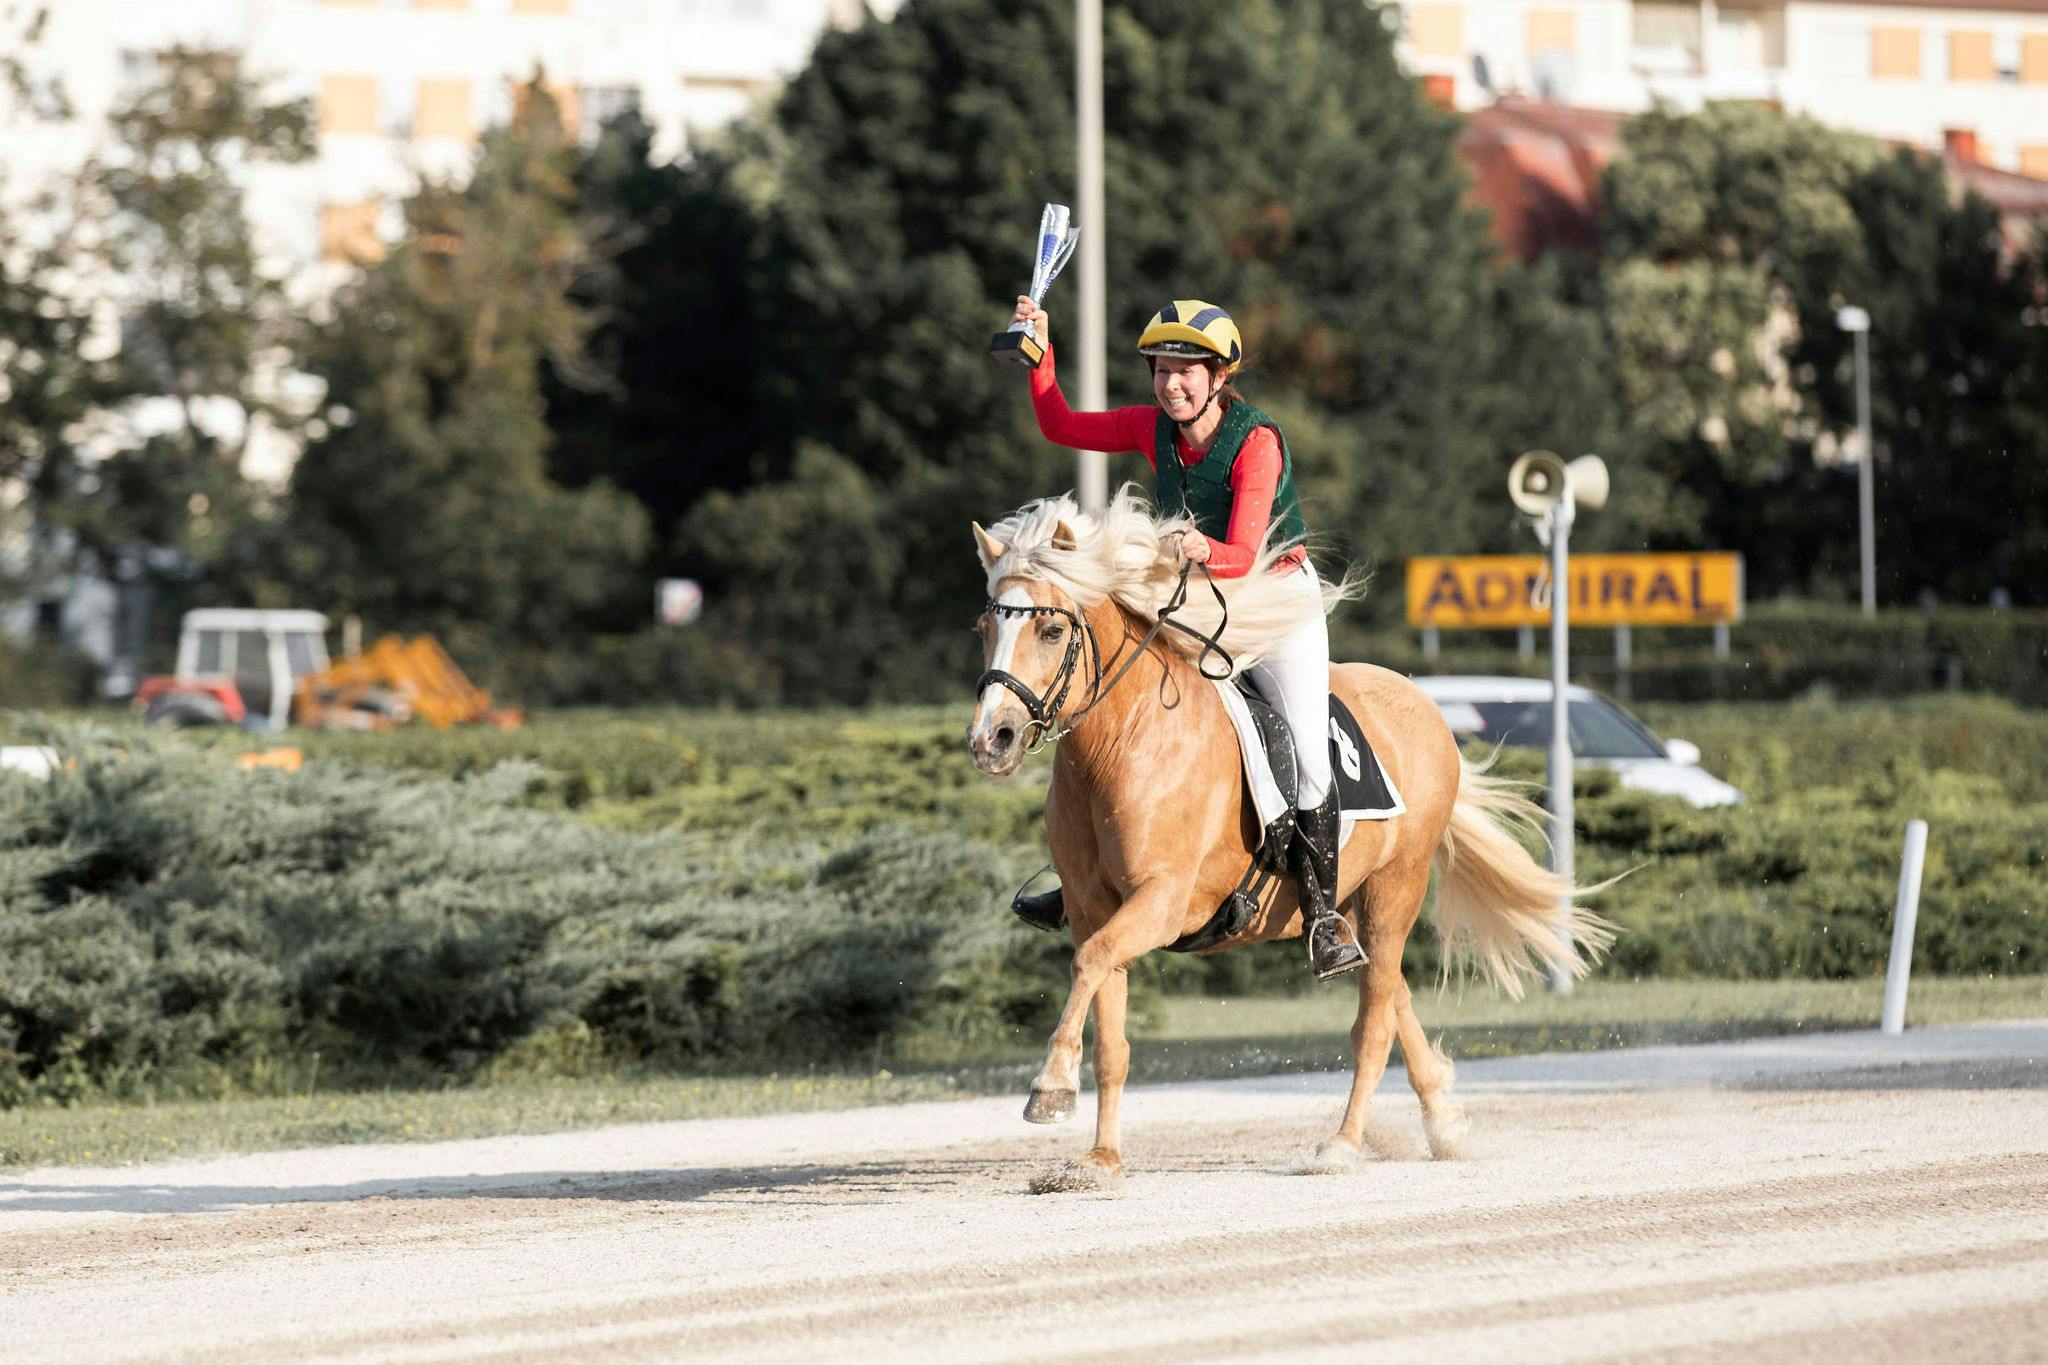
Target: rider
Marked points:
1224	463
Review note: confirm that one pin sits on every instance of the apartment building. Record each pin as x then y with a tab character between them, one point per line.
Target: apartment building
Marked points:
403	87
1968	76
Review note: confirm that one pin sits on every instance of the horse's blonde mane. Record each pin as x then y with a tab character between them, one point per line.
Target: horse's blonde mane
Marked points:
1124	553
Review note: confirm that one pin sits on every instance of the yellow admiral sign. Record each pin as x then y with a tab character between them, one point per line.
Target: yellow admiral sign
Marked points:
1687	589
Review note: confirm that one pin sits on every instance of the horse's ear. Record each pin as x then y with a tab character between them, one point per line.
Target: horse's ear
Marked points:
1063	537
988	546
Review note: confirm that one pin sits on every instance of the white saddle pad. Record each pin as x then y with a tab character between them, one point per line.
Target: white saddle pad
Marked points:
1267	798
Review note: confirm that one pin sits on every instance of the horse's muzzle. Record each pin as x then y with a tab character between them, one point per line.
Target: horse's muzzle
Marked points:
996	739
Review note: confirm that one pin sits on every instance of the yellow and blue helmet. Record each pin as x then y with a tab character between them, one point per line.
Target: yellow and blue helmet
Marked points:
1194	329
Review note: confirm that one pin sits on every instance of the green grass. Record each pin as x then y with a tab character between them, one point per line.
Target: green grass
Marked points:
1185	1039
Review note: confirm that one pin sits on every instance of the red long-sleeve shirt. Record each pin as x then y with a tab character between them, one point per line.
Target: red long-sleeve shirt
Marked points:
1252	479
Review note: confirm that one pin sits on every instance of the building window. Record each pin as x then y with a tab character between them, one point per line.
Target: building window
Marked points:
348	104
1747	39
1437	30
603	103
1895	53
1664	36
348	233
1969	56
445	111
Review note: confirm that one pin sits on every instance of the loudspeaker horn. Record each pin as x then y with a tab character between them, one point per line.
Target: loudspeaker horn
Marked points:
1539	479
1588	475
1537	482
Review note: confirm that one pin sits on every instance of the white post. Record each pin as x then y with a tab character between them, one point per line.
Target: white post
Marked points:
1856	321
1432	645
1091	474
1904	913
1561	516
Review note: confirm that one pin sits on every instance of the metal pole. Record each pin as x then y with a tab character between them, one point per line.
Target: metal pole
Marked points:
1091	474
1904	912
1560	774
1865	497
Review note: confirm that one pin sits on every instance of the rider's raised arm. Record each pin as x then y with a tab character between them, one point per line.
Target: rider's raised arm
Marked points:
1119	429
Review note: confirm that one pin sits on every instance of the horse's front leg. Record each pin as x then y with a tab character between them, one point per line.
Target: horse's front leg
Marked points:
1149	919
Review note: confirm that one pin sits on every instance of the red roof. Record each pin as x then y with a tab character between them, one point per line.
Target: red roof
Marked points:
1536	168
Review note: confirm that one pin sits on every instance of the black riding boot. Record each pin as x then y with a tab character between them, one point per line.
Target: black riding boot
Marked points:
1047	910
1332	946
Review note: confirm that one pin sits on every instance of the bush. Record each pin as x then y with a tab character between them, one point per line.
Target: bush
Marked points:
167	921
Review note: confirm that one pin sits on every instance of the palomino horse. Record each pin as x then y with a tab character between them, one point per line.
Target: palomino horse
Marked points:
1148	824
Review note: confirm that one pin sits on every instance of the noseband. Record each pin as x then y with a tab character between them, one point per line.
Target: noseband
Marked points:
1045	715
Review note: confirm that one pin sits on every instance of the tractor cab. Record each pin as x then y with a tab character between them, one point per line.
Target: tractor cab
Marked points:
237	666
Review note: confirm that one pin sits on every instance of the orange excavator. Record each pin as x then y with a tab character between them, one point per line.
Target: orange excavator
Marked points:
394	681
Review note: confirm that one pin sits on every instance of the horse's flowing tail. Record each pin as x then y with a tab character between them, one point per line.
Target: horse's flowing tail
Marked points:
1497	907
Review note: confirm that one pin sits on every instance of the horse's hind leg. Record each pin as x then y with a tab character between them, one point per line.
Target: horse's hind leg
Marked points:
1431	1073
1386	907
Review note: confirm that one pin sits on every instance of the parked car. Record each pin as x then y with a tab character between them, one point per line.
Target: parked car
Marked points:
1516	711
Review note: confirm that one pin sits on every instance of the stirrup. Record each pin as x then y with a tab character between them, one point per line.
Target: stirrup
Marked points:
1047	910
1342	951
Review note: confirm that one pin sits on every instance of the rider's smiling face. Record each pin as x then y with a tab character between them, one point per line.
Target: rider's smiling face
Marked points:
1182	386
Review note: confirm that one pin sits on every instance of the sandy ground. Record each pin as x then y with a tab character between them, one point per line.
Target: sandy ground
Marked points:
1829	1198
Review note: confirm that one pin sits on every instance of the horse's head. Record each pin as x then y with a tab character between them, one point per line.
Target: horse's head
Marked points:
1033	650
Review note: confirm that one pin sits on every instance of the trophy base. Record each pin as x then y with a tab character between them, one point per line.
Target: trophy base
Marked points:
1016	348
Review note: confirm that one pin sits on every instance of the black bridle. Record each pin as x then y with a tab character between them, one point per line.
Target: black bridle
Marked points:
1045	714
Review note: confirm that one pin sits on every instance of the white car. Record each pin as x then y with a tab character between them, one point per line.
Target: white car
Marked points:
1516	711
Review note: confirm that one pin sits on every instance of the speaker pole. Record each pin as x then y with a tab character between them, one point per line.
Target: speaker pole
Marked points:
1559	522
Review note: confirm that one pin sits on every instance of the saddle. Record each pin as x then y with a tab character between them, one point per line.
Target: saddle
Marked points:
1272	781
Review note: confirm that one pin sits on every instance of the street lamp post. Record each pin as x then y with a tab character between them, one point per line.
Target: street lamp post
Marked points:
1091	474
1857	322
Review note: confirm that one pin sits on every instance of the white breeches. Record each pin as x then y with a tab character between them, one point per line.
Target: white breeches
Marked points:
1294	678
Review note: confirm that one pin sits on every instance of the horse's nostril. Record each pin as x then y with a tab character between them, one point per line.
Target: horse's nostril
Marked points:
1005	736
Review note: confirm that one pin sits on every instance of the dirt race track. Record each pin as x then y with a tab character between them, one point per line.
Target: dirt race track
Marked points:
1844	1197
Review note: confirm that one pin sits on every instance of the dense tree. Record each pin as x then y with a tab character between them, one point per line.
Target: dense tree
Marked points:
424	501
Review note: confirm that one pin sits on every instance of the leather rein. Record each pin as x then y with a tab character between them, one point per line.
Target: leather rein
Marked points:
1045	713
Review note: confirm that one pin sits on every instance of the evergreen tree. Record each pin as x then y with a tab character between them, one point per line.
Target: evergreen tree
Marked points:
425	502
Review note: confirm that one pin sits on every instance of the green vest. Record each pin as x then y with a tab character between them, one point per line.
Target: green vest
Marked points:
1203	488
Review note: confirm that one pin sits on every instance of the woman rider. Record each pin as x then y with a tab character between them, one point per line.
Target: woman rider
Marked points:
1224	463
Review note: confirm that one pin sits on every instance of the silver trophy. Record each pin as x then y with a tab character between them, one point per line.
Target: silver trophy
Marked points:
1056	237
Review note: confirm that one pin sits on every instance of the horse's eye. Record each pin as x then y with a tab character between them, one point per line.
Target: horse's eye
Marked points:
1050	634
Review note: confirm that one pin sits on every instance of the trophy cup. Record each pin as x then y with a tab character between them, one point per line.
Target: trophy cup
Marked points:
1056	237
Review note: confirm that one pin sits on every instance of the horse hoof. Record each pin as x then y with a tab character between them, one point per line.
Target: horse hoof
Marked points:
1050	1106
1334	1157
1446	1127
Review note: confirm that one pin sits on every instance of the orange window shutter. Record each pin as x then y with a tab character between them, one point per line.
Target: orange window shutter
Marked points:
1895	53
2034	59
1969	56
1437	30
2034	160
444	111
540	6
1553	30
348	104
